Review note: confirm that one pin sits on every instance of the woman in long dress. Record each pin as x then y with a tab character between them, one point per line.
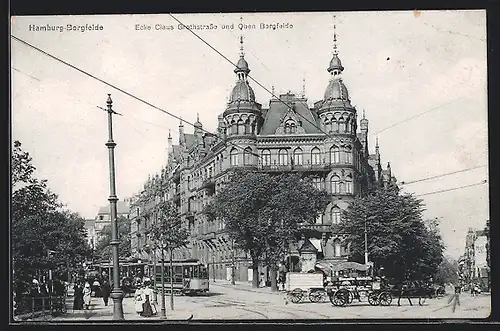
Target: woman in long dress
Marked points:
147	293
77	297
138	300
87	295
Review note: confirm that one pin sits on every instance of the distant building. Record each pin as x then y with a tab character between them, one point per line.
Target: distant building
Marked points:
90	232
475	266
103	216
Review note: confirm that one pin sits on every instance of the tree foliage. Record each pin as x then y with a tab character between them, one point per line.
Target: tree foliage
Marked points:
262	213
103	249
40	225
447	272
398	239
168	232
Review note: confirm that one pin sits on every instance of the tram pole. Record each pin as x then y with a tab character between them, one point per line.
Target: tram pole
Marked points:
171	279
163	312
366	244
117	292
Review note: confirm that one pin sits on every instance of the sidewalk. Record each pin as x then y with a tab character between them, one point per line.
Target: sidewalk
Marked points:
99	312
245	286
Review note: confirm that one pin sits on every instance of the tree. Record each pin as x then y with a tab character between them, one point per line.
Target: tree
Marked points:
40	225
169	233
397	237
263	214
447	272
103	248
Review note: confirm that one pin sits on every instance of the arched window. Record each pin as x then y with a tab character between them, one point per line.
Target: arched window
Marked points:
347	154
293	128
335	215
348	125
315	156
348	185
241	127
266	157
335	184
234	128
297	156
234	157
336	247
287	128
334	154
335	126
341	125
283	157
247	156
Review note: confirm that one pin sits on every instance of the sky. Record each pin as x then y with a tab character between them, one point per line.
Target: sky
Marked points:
429	67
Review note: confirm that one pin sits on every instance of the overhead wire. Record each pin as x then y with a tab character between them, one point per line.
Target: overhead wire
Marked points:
441	175
452	189
224	140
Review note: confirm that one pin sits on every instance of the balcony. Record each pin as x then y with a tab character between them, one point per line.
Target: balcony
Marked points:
321	167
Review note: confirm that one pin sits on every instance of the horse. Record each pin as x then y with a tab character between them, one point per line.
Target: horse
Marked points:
413	290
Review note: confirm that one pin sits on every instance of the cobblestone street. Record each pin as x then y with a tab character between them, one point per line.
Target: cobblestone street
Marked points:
241	301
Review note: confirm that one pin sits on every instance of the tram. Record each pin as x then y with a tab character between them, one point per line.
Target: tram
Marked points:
189	277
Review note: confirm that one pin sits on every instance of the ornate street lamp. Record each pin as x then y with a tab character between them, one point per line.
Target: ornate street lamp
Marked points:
116	293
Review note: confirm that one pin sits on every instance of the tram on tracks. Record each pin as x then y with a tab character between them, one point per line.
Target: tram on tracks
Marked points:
189	277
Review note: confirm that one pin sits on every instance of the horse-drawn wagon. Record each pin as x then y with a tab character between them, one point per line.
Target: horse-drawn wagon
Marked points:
299	285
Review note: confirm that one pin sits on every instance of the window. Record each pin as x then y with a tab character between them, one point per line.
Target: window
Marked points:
283	157
234	128
334	154
247	156
335	184
266	157
335	126
335	215
347	154
317	182
234	157
336	247
241	127
297	156
315	156
348	185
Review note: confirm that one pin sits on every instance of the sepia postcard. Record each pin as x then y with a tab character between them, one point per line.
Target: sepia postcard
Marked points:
306	166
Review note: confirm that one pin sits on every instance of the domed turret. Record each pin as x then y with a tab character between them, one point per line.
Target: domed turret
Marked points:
242	65
198	124
335	64
242	92
336	90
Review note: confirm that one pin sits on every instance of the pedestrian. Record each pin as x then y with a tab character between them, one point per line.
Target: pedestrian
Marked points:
106	290
148	309
139	300
455	298
87	291
77	297
262	280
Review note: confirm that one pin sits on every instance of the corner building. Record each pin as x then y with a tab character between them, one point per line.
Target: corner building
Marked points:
288	136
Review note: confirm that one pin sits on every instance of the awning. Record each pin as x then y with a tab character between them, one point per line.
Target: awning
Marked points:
350	265
327	269
316	243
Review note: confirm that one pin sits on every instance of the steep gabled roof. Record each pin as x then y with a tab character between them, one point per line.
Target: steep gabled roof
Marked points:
307	246
277	111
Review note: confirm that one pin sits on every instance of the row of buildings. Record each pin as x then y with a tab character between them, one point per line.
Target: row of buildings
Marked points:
474	266
287	135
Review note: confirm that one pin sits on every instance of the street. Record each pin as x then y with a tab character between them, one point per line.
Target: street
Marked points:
242	302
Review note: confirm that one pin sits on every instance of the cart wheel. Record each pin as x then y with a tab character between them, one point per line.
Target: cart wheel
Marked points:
316	296
340	298
296	295
350	297
385	298
373	299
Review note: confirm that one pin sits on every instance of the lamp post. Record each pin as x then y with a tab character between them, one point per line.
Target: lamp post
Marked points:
116	293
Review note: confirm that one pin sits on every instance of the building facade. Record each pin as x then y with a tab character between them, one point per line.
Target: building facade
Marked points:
103	217
324	142
90	233
474	264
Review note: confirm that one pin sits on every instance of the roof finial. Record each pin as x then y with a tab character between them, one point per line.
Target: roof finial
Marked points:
241	37
335	51
363	114
180	124
197	117
303	87
272	91
169	134
376	142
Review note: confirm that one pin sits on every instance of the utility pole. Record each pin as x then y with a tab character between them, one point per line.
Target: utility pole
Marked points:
116	293
171	279
366	244
163	312
233	264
